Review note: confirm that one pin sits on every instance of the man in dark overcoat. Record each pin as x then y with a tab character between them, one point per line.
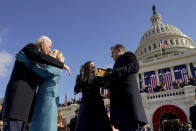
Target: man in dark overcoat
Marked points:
193	116
127	111
21	88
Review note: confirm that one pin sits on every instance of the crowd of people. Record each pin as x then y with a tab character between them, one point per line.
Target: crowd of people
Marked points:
69	102
178	127
1	125
162	86
186	127
31	98
62	122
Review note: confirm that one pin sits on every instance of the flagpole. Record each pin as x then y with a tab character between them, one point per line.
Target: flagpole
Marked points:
65	102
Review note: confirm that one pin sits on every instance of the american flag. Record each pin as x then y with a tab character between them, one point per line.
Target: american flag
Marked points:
152	84
182	75
168	81
162	44
104	92
153	81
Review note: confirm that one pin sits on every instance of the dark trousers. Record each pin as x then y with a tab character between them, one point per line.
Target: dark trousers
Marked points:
14	125
130	128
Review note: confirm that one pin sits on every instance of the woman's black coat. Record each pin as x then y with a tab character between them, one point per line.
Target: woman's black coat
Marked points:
92	112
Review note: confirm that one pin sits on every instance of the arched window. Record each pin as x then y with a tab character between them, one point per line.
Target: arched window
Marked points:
177	43
154	45
171	42
162	29
166	42
149	48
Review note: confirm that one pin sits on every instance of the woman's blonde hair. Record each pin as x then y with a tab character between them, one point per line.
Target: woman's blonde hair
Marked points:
60	56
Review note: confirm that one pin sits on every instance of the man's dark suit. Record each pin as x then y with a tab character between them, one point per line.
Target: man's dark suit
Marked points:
20	91
193	116
126	104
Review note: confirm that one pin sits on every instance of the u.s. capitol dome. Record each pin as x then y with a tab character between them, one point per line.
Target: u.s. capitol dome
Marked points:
175	40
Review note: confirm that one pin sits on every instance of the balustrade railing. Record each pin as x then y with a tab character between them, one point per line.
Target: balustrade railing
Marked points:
172	93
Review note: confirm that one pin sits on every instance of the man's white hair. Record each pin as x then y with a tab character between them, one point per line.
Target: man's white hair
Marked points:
44	39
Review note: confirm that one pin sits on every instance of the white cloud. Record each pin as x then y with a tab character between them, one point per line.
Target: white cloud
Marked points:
5	61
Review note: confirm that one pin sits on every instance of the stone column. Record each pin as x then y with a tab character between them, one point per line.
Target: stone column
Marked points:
183	42
168	43
138	80
179	42
174	41
157	77
172	73
189	70
142	77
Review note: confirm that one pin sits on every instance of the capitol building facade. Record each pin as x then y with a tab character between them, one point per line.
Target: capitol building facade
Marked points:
166	66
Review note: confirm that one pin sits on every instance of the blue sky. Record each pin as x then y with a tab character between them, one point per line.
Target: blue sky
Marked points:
83	29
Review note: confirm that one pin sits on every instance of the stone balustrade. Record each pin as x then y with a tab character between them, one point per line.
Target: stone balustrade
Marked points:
166	56
181	92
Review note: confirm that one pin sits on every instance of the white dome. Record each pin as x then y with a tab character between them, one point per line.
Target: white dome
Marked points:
159	28
174	39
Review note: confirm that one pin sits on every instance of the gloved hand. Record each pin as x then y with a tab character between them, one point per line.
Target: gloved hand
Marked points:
109	70
108	76
22	57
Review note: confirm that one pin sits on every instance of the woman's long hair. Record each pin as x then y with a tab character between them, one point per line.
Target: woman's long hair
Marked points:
83	76
84	71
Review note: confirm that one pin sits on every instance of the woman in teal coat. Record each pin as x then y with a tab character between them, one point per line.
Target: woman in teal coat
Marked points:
45	111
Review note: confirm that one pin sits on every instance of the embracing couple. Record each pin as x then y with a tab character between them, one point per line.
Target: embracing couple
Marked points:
35	65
